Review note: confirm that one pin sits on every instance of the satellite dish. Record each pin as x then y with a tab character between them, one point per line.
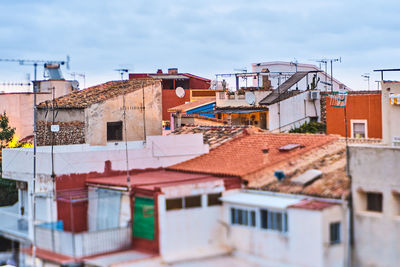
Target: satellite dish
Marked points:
75	85
180	92
250	98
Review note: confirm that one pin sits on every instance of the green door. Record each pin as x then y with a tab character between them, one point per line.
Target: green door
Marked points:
143	218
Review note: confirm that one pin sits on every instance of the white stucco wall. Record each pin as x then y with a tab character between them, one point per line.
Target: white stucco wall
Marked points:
239	101
376	169
293	111
194	232
390	113
305	244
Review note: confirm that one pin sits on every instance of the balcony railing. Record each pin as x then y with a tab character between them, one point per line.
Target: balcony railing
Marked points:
83	244
13	225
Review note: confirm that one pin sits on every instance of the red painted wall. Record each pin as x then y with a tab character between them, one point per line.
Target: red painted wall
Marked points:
359	107
170	100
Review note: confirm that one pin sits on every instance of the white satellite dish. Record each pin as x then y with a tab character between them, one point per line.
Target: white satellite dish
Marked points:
180	92
75	84
250	98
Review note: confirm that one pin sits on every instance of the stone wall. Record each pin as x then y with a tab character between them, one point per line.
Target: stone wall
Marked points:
70	133
323	107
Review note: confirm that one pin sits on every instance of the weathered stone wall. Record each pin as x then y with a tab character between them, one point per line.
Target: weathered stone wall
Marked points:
323	108
70	133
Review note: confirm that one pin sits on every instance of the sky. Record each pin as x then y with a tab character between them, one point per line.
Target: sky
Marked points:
202	37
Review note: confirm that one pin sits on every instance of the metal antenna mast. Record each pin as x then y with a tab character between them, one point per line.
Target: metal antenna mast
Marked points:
325	62
121	72
35	64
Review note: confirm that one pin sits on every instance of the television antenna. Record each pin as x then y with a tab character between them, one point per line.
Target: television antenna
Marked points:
366	76
35	64
121	72
82	75
325	62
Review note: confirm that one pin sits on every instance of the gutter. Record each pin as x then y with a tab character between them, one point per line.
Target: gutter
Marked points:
269	193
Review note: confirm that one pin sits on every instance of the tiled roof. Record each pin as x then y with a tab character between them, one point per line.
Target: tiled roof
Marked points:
312	205
214	135
191	105
256	156
98	93
252	152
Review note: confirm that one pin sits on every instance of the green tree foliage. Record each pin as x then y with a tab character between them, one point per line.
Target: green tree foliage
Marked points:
6	132
310	127
8	190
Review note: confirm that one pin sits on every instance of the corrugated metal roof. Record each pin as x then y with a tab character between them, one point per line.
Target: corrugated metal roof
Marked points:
308	177
170	77
260	200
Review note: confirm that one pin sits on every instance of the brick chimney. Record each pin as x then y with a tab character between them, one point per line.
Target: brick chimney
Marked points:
173	71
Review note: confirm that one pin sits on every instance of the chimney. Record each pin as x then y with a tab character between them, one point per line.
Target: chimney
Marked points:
173	71
159	71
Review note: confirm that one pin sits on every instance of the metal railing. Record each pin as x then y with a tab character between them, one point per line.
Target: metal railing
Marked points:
13	225
83	244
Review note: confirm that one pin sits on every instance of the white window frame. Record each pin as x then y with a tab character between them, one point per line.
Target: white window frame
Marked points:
249	210
285	220
358	121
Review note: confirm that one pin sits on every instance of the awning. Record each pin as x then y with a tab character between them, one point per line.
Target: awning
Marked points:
260	200
394	99
237	111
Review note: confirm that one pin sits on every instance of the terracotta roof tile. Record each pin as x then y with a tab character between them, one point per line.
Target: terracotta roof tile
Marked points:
98	93
248	153
214	135
312	205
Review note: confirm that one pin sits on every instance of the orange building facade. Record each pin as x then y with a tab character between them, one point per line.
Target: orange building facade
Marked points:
364	116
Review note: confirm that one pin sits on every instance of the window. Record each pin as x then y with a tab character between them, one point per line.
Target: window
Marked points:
334	233
243	217
374	201
174	203
114	131
183	203
221	95
274	220
192	202
359	128
396	206
213	199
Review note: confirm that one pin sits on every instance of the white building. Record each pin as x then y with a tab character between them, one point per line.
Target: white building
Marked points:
74	161
286	230
375	176
280	71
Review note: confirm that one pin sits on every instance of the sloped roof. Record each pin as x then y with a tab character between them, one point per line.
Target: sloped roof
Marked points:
256	156
191	105
99	93
214	135
282	92
251	152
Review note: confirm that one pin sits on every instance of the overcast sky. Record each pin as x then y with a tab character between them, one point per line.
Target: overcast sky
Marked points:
200	37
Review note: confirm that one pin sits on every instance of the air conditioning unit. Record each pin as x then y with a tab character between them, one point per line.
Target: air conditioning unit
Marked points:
313	95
